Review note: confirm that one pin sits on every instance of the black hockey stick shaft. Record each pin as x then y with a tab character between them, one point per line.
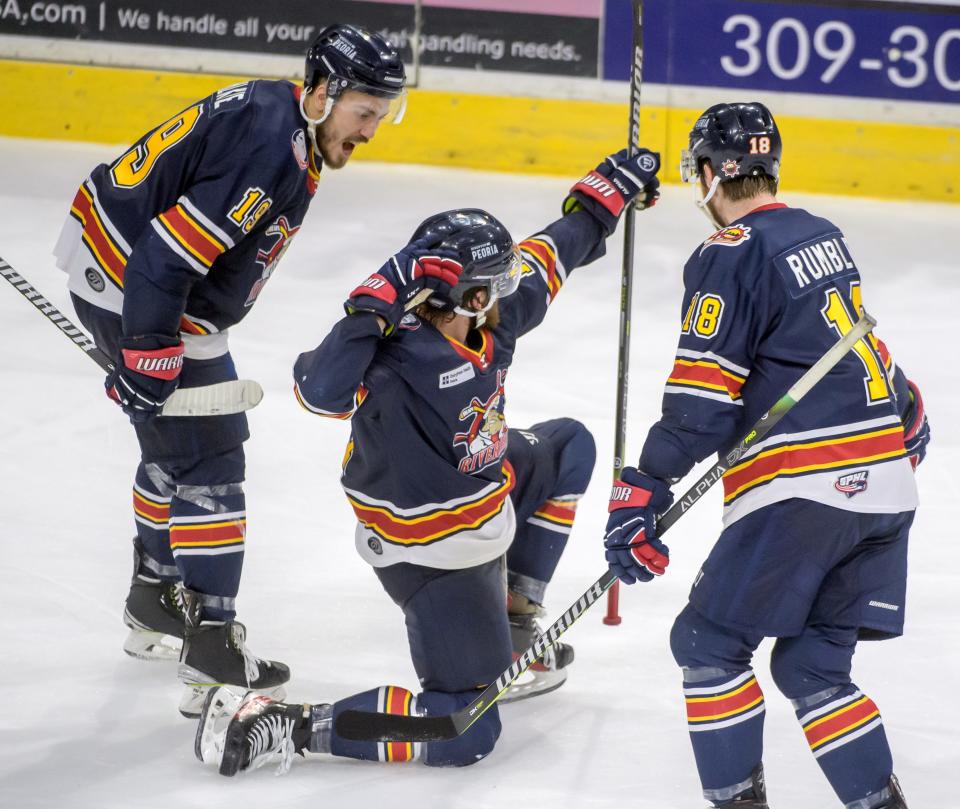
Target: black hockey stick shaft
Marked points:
370	726
55	316
626	283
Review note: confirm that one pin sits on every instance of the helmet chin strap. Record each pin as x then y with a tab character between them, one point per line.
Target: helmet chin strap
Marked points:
480	314
313	123
702	199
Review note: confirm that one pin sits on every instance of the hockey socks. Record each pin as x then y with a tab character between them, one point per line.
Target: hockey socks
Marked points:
388	699
845	733
538	545
725	711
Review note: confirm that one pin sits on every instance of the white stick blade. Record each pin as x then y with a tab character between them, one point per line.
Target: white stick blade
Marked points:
221	399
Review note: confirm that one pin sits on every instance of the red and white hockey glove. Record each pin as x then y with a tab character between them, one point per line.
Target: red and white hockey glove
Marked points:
617	182
633	551
146	374
407	279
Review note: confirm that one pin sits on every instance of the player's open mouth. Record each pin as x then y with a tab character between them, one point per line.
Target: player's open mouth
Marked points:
348	147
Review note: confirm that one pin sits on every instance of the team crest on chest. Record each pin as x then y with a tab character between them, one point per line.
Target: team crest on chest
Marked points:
268	258
485	439
731	236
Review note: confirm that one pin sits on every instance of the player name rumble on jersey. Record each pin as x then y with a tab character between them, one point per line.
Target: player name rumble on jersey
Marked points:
793	283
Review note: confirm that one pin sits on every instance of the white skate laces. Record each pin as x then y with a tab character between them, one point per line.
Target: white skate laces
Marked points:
251	663
271	735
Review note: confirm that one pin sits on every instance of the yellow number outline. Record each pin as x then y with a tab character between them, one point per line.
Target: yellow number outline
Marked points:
134	166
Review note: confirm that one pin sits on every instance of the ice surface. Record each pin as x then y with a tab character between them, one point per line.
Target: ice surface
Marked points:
81	725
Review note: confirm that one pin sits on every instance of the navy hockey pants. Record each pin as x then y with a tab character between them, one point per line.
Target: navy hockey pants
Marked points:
456	620
188	501
818	579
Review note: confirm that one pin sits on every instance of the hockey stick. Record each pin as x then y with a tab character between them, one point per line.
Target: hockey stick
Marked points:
220	399
612	617
370	726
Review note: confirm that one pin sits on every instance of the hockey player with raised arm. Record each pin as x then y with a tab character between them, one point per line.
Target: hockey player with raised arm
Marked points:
441	487
167	248
816	516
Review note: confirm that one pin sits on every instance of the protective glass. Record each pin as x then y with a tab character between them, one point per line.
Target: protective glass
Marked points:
506	281
366	103
688	166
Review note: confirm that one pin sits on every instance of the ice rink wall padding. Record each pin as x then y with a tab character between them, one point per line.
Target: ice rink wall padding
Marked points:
867	92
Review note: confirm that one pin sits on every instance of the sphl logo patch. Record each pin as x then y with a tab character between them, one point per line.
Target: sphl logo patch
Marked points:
852	484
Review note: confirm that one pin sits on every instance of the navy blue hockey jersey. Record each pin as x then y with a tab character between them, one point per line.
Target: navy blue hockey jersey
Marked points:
192	219
425	468
764	299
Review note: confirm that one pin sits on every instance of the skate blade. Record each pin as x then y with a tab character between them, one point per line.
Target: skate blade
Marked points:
153	646
533	683
219	707
195	694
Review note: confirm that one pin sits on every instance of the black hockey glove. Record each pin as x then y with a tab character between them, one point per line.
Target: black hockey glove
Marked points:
406	280
146	373
617	182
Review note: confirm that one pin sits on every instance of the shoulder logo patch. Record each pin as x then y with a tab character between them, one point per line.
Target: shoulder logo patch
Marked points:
299	144
731	236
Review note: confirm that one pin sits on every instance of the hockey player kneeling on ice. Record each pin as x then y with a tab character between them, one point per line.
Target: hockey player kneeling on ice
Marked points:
816	515
442	489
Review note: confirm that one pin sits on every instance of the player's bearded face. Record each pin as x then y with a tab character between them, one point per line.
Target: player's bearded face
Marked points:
354	119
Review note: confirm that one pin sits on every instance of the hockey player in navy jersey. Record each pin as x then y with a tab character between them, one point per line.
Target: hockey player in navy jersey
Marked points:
167	248
442	488
816	517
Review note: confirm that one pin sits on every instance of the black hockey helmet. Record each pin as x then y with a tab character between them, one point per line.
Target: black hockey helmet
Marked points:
738	140
350	58
483	246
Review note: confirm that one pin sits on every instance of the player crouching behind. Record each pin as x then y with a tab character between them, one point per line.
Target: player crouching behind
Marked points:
419	364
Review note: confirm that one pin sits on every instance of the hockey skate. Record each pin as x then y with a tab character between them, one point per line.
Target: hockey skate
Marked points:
755	797
154	613
550	671
244	730
896	800
215	654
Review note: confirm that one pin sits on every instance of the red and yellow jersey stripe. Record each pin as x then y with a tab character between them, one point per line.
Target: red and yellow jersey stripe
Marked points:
358	399
191	240
434	522
706	375
813	455
556	515
107	251
540	252
703	373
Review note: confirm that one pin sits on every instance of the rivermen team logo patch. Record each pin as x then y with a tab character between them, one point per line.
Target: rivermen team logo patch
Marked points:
731	168
728	237
485	439
852	484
